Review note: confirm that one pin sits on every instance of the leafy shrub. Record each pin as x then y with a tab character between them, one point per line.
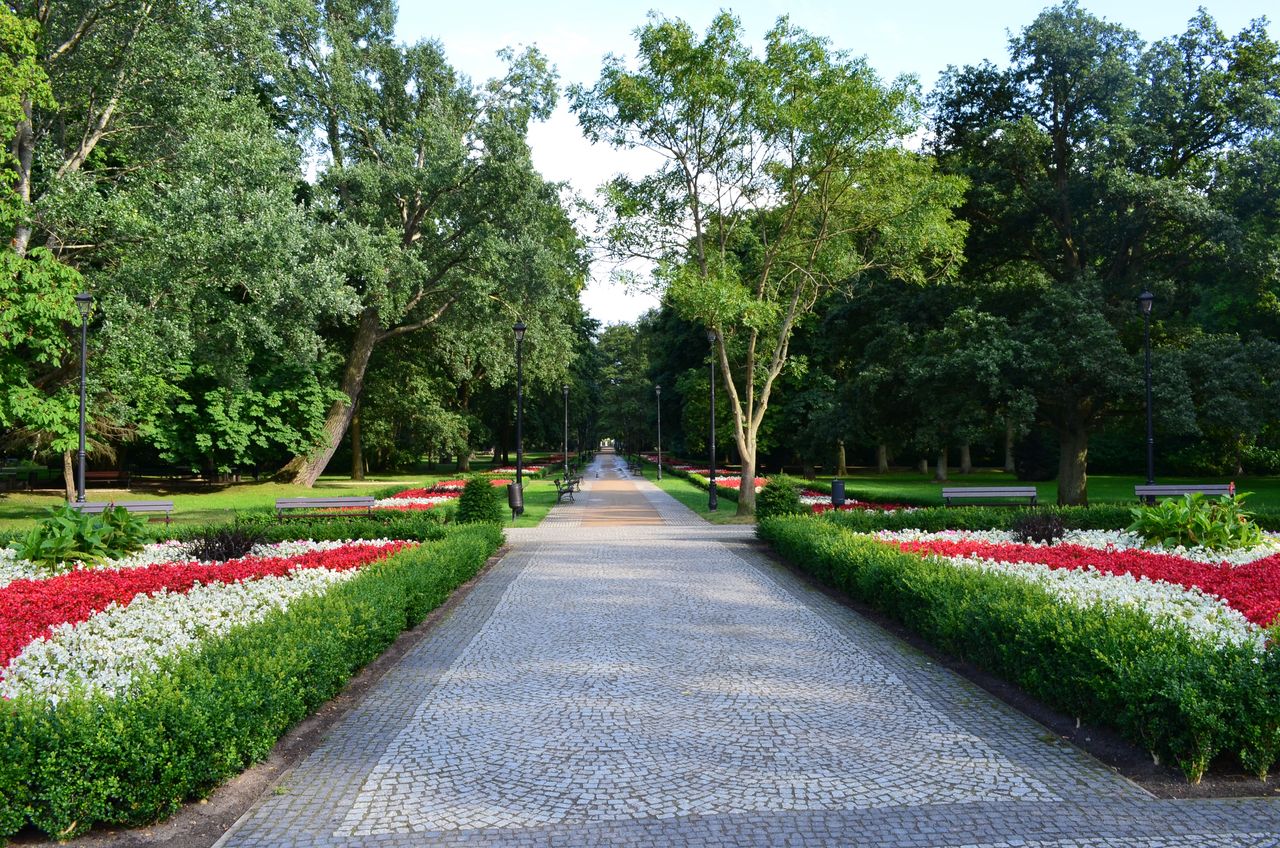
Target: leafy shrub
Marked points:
224	543
420	525
933	519
1184	699
1260	460
780	496
479	503
69	535
207	715
1193	519
1041	527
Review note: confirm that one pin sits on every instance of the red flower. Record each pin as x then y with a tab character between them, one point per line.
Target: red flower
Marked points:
1253	589
29	608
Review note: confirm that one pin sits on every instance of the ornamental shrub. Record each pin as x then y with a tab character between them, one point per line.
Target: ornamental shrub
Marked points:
1042	527
1187	700
69	535
205	715
224	543
1193	519
479	503
780	496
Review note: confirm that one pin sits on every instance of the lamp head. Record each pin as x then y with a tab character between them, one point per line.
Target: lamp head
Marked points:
711	336
657	390
84	302
519	329
1145	300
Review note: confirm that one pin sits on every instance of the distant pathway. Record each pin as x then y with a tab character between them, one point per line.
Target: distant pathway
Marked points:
631	675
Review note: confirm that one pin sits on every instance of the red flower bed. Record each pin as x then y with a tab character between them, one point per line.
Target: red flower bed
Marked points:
28	608
1253	589
433	492
848	506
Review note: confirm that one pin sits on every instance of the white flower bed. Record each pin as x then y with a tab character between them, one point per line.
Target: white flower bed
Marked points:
1117	540
428	501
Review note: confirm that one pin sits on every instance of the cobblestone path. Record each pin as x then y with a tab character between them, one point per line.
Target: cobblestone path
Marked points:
631	675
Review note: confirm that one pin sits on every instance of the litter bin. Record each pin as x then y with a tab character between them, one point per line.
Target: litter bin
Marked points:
837	493
515	499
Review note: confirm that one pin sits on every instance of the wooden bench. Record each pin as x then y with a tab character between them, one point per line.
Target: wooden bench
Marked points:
1152	493
99	507
1000	495
121	477
564	490
284	505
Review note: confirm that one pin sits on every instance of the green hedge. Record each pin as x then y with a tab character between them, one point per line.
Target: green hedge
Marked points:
206	716
1182	699
932	519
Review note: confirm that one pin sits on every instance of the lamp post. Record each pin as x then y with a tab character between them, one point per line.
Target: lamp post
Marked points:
712	500
657	390
519	329
565	389
84	302
1144	301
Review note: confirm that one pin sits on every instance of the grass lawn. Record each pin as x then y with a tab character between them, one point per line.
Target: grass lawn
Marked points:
696	498
539	497
868	485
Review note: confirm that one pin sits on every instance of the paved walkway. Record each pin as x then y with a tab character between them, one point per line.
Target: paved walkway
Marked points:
631	675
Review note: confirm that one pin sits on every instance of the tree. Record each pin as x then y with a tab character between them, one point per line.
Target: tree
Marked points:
429	189
1091	161
783	177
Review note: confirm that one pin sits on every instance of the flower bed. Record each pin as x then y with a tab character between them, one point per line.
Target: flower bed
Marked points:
132	688
1172	648
820	502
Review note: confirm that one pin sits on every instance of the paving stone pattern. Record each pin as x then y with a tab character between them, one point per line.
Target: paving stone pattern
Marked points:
666	684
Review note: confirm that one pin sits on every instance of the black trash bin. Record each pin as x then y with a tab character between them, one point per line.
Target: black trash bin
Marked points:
837	493
515	499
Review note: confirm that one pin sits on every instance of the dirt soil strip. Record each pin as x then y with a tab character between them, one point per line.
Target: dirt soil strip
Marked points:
199	824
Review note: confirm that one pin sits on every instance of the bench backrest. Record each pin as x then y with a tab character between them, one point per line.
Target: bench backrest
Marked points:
95	507
1144	491
991	492
323	503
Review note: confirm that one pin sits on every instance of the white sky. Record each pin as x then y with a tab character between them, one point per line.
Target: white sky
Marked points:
919	38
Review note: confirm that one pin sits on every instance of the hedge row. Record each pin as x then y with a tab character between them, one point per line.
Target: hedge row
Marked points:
1180	698
933	519
206	716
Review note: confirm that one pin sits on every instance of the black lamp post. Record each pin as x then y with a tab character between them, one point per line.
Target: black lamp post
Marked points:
657	390
84	302
519	329
1145	300
565	389
712	500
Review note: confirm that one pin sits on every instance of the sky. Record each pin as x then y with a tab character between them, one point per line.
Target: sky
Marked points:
920	38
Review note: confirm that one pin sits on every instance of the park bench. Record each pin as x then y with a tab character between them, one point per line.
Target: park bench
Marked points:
121	477
309	505
998	495
1152	493
143	507
564	490
16	478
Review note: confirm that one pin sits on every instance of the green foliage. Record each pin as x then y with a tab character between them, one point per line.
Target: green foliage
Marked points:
780	496
479	502
69	535
1184	699
205	716
933	519
1193	519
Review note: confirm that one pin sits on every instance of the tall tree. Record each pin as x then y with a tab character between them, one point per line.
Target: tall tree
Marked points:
428	186
783	177
1091	160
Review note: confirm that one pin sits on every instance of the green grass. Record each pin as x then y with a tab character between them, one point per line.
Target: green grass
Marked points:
1103	488
696	498
539	497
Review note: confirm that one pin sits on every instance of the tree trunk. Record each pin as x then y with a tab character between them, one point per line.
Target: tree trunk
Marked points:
747	488
357	449
68	476
940	470
24	149
842	466
882	459
966	459
923	465
304	470
1073	466
1009	466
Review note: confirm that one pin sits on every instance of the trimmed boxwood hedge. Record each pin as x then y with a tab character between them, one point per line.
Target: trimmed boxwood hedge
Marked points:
1182	699
206	716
